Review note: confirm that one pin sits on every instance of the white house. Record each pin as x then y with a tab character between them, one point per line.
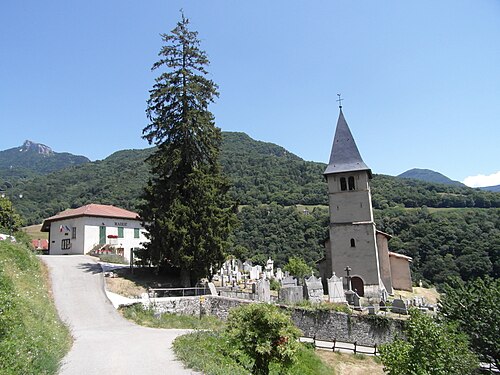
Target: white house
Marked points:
79	230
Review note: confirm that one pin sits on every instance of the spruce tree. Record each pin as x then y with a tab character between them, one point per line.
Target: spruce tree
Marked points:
187	213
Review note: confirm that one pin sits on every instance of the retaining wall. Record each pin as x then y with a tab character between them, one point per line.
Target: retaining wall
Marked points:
323	325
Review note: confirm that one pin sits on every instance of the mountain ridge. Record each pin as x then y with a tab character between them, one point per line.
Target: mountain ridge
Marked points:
32	159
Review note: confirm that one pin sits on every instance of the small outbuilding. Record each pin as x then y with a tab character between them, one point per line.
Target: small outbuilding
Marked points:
94	227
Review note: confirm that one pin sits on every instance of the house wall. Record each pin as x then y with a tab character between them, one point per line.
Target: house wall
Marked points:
58	233
87	234
400	270
384	262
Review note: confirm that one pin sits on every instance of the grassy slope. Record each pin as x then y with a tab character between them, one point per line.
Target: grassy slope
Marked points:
32	338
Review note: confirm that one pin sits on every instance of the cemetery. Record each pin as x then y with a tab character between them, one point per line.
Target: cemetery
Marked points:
339	315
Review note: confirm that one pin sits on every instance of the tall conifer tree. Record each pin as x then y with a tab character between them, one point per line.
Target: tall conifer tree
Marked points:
188	213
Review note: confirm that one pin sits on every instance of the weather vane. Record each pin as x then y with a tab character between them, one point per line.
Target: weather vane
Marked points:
340	101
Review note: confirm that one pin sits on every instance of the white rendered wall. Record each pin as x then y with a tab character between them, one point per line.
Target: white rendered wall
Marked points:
87	234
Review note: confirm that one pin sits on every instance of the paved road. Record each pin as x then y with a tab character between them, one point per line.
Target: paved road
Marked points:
105	342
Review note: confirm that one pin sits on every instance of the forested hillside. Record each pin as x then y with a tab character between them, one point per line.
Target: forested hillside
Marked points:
33	159
266	178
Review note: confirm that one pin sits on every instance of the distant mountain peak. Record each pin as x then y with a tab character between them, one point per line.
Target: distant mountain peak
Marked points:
429	175
30	146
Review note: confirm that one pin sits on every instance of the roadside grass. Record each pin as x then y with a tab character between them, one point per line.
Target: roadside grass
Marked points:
210	353
32	338
206	349
35	232
112	258
146	317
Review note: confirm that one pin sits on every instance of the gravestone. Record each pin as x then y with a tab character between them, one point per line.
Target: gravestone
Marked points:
263	290
213	290
399	307
356	298
254	273
279	274
291	294
247	266
335	289
382	306
288	281
270	268
313	289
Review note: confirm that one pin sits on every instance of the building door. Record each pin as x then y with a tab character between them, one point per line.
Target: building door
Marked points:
358	286
102	235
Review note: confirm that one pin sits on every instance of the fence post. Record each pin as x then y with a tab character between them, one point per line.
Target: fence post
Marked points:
375	351
334	342
314	340
355	345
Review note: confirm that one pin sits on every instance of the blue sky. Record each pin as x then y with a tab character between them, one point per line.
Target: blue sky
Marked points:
421	79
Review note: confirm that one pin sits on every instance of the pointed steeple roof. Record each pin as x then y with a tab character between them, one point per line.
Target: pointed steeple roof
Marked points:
345	156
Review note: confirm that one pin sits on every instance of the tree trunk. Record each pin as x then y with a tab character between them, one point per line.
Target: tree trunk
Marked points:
185	277
261	366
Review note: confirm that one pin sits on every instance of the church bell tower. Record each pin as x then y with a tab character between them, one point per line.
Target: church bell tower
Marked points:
353	240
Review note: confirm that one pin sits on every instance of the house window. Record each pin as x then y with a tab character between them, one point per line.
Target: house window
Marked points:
73	232
351	183
136	233
353	242
120	232
343	184
65	244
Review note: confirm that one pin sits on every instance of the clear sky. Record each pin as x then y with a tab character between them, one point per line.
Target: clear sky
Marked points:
420	79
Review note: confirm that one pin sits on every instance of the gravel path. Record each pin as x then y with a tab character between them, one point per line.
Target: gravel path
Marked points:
105	342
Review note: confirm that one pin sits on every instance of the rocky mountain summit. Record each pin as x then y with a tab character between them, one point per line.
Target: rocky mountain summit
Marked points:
30	146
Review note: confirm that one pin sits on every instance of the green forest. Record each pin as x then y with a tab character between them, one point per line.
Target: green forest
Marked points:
448	230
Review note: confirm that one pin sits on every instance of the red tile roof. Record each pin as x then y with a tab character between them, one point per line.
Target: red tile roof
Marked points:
99	210
40	244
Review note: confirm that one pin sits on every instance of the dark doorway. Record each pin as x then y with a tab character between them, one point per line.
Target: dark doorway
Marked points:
358	286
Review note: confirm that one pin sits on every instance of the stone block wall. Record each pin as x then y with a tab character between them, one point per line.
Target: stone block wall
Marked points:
323	325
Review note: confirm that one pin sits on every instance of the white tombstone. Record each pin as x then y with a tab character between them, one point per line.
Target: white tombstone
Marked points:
247	266
270	267
279	274
254	273
335	289
263	290
213	290
314	289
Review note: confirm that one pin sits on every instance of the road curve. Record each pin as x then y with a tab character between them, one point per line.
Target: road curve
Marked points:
105	342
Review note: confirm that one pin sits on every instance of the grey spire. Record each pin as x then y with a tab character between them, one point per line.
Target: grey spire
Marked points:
345	156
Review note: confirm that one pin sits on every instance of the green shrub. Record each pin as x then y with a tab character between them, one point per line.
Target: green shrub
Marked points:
212	354
263	333
431	348
274	284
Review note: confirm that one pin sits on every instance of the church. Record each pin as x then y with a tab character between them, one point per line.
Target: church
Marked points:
354	242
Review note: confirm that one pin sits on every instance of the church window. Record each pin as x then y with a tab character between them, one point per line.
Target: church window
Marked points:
351	183
353	242
343	184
